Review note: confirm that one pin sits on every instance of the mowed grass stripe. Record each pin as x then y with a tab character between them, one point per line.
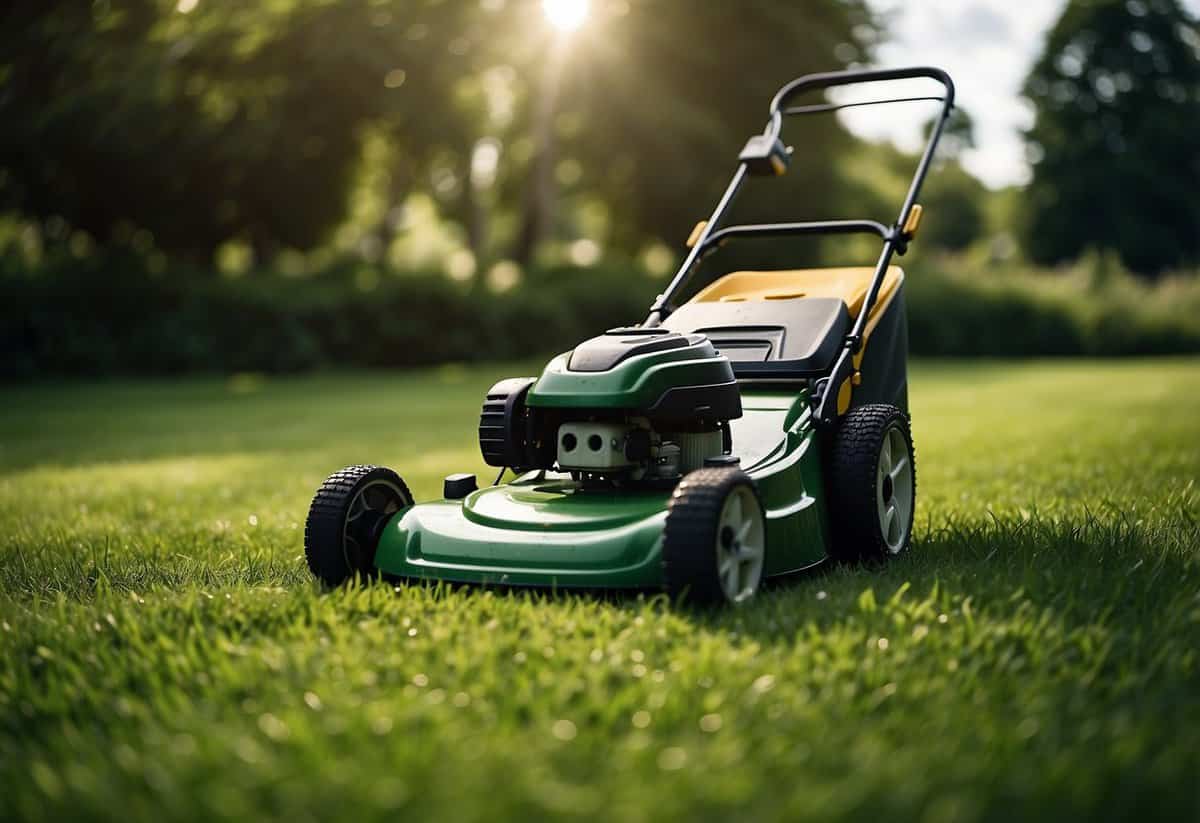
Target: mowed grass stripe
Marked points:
163	654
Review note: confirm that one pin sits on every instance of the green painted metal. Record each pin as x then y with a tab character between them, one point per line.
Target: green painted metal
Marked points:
551	532
635	383
447	541
789	476
558	505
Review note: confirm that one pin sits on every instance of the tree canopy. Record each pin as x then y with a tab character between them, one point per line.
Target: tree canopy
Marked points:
227	121
190	123
1116	160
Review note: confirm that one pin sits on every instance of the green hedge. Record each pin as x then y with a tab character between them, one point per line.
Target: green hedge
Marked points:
1090	309
100	317
112	316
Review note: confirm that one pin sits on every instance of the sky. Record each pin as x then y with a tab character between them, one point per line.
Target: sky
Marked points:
987	46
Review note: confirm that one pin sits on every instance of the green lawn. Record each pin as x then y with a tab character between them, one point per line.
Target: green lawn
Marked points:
163	654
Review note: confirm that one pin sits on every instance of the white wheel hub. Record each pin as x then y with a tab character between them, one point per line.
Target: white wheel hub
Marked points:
894	490
740	545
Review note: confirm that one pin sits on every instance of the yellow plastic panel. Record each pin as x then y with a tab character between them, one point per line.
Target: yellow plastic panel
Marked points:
850	284
913	223
843	396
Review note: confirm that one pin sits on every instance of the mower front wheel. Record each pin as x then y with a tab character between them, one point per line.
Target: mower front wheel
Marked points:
714	541
346	518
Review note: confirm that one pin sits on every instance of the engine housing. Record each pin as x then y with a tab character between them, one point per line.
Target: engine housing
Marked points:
655	372
633	405
630	405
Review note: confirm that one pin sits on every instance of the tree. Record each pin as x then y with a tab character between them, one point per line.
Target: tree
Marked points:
879	174
951	195
958	135
189	123
1116	162
954	202
194	124
657	99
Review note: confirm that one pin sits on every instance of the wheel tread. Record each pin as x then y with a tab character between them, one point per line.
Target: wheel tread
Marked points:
323	537
693	513
852	466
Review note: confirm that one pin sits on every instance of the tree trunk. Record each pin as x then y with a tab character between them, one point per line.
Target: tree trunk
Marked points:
539	197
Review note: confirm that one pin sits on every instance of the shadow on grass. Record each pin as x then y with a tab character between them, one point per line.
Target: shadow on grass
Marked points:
1086	571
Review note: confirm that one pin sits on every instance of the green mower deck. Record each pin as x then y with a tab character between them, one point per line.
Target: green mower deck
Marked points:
550	532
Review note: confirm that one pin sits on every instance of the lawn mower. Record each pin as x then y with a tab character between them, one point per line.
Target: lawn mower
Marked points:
758	429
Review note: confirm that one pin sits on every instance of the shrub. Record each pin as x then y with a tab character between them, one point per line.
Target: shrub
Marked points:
1092	308
112	315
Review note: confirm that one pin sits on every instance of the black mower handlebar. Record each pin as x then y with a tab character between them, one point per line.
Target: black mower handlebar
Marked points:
825	80
765	154
718	237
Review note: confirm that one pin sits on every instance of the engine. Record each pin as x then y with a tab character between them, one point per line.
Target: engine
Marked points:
635	450
631	406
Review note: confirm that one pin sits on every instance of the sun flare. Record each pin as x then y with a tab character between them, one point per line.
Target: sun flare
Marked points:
566	15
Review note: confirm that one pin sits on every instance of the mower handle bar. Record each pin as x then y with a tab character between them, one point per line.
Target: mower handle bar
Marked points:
814	109
831	79
895	239
719	237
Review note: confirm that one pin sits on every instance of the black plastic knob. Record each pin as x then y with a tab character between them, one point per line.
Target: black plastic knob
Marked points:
458	486
721	461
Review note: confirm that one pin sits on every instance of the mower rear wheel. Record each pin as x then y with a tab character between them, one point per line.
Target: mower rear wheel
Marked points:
714	540
872	484
346	518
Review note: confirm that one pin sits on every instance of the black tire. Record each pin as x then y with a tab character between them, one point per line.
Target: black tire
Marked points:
860	496
696	544
346	518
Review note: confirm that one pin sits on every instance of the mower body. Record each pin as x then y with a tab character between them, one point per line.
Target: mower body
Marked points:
773	335
753	429
551	531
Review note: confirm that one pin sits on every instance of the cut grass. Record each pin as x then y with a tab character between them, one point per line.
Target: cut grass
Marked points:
163	654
